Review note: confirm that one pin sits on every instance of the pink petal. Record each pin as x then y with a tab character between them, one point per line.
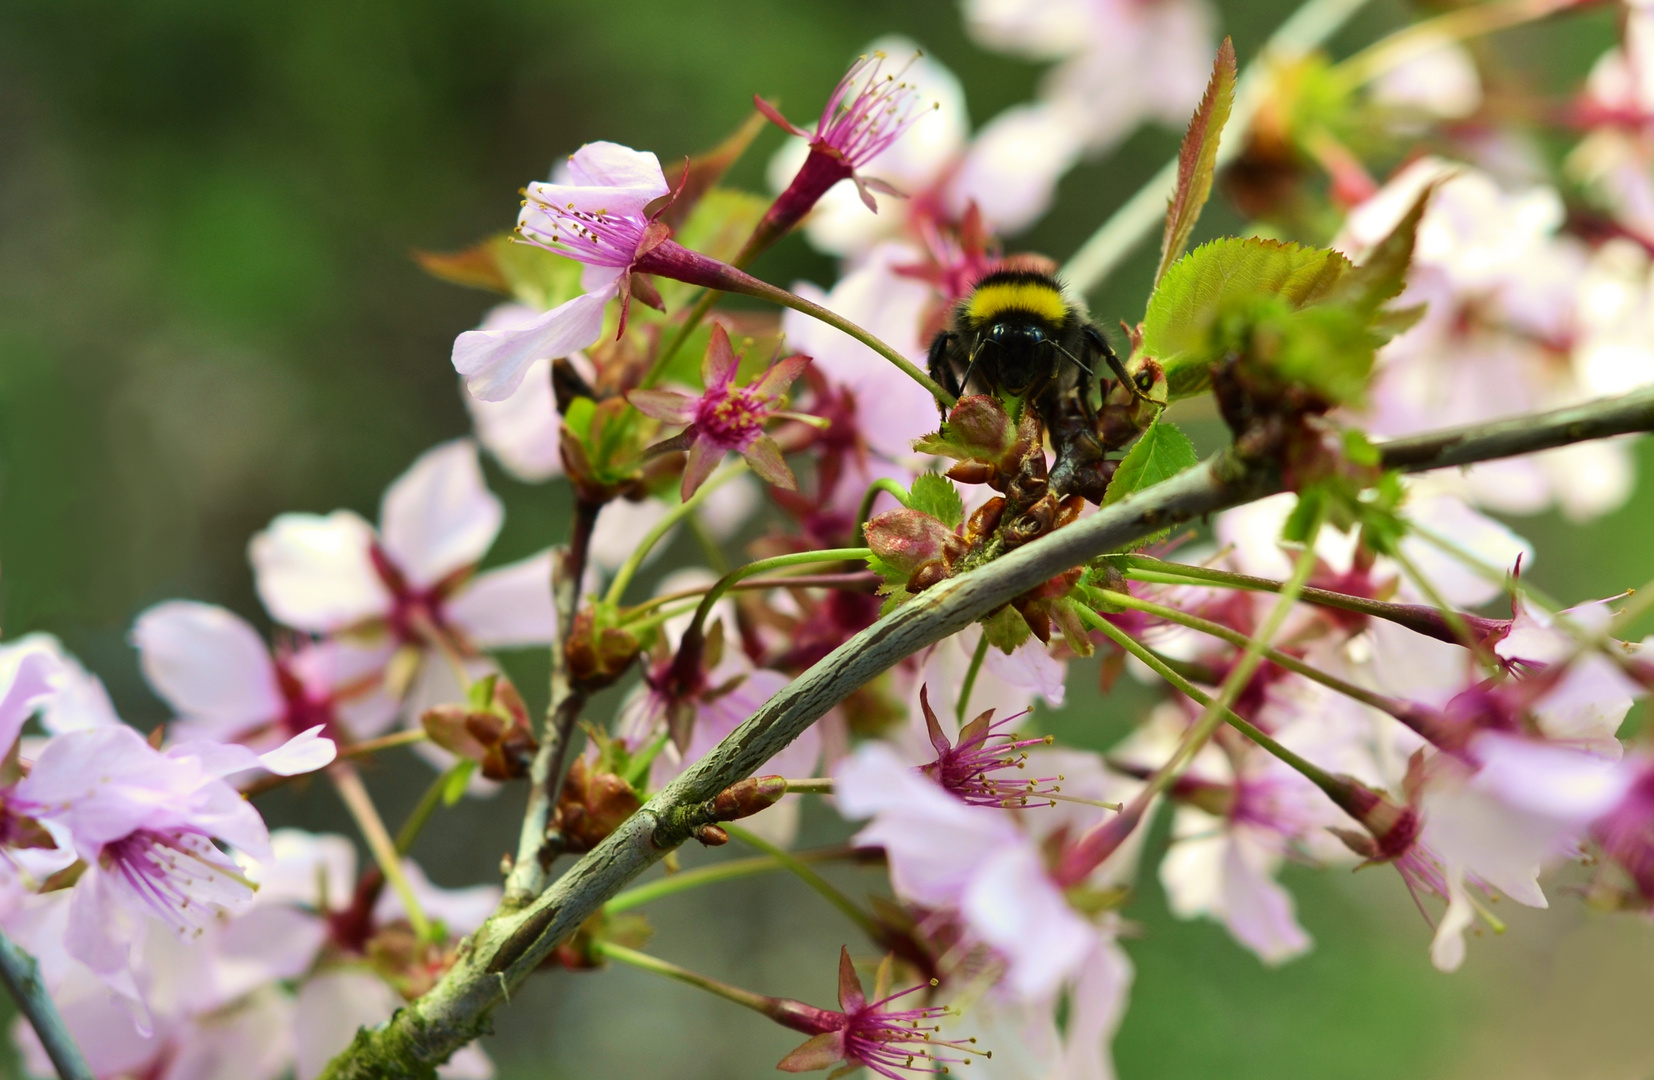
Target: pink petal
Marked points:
209	664
719	364
850	994
314	573
702	460
332	1005
439	516
782	374
509	606
818	1052
495	361
773	115
765	458
611	165
665	405
30	680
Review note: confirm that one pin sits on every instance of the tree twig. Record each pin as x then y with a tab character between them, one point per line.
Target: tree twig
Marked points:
508	948
22	977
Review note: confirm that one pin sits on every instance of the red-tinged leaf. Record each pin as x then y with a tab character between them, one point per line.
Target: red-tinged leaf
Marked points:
1197	159
475	267
705	170
818	1052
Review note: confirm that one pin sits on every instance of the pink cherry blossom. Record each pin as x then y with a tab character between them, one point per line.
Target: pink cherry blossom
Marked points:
726	417
414	578
895	1043
211	666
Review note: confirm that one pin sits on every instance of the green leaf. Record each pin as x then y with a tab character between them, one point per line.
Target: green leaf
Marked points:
1161	453
1006	630
1327	347
1197	158
1384	273
1214	279
453	787
935	495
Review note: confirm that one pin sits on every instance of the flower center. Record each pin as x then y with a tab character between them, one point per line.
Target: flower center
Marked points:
733	420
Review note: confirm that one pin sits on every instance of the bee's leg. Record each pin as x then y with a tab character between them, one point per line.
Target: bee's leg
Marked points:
1094	337
941	366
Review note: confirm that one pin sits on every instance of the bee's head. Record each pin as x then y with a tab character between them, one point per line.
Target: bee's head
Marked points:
1016	315
1019	350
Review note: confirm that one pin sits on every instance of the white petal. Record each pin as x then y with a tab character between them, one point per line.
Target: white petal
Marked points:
317	870
619	171
1013	165
1257	910
462	910
304	752
508	606
470	1062
1015	908
332	1006
439	516
619	528
78	701
522	431
1447	948
494	362
253	1041
315	573
208	663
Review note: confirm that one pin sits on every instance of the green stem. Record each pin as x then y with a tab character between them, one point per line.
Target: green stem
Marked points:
765	291
643	961
970	678
1461	629
885	484
729	870
1313	772
1235	637
21	975
422	811
1242	672
623	576
348	782
1138	217
1428	35
1416	617
814	880
799	558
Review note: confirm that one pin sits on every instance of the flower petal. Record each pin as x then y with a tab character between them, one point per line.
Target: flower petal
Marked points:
665	405
332	1006
702	460
439	516
522	431
314	573
494	362
782	374
509	606
611	165
719	364
29	676
209	664
765	458
304	752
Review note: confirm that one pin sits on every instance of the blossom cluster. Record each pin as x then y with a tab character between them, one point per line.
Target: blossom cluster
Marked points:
1357	671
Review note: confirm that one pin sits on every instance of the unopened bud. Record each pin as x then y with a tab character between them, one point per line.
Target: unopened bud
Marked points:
711	835
748	797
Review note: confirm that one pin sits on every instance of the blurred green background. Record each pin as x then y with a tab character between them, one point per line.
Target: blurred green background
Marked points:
208	315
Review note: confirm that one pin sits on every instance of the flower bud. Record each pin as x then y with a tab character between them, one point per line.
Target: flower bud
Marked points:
748	797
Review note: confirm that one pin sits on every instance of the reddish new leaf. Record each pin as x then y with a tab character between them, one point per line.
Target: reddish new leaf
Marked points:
1197	160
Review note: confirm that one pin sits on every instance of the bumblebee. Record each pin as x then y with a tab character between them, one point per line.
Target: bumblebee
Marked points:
1017	333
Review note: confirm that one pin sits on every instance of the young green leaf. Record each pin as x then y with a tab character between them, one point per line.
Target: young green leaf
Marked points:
1160	454
1383	274
935	495
1216	278
1197	159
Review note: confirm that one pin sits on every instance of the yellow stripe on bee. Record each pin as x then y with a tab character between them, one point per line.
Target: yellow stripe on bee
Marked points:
991	301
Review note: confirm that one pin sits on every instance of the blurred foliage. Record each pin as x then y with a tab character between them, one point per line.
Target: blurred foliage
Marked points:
209	314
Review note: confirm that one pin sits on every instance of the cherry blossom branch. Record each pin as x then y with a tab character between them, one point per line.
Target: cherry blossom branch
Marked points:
536	848
1141	215
511	945
21	975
